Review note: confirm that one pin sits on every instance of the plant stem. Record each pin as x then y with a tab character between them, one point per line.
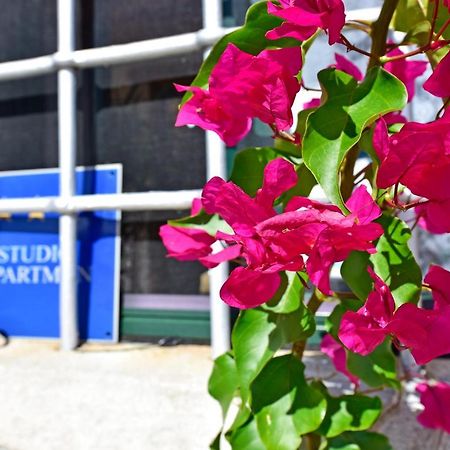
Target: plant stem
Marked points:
350	47
313	441
380	30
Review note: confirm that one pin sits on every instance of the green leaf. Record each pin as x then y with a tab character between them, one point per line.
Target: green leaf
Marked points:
408	14
354	273
395	263
441	17
290	296
359	440
349	413
376	369
223	382
202	221
254	343
303	188
247	438
336	126
285	406
258	334
248	167
250	38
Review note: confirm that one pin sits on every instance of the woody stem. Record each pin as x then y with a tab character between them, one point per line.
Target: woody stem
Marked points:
380	30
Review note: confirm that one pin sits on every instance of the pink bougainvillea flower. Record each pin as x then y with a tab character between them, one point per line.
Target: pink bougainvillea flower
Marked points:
323	233
438	84
435	397
186	244
338	356
438	280
269	242
345	65
419	158
405	70
424	332
302	18
394	117
209	113
242	87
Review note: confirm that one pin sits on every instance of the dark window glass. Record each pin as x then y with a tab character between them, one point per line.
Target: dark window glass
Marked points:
28	28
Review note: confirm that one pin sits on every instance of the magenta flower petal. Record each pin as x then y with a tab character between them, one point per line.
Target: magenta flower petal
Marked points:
360	333
314	103
246	288
279	176
303	17
381	139
209	113
362	206
438	83
425	332
288	30
345	65
237	208
337	354
186	244
439	280
196	206
436	400
227	254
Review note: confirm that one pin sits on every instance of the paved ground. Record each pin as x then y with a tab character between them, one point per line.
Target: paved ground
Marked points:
135	397
129	396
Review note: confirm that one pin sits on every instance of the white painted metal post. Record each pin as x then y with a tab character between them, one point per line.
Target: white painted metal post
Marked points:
216	166
67	159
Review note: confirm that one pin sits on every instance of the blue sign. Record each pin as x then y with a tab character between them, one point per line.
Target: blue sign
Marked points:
29	258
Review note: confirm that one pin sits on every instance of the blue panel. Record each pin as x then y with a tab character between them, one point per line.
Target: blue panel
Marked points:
29	259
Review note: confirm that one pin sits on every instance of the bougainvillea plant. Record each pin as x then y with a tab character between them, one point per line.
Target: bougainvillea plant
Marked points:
283	244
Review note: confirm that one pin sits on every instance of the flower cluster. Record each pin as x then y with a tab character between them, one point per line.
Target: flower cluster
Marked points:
424	332
276	231
269	242
241	87
418	157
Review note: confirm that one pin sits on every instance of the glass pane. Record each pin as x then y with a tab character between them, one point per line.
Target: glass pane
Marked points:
28	28
28	123
119	22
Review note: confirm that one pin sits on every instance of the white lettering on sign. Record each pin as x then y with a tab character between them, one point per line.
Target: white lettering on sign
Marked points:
29	254
33	264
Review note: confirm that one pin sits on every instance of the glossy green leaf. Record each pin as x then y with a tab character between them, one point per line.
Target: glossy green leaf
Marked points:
285	406
408	14
254	341
202	221
248	167
358	440
247	438
259	333
303	188
376	369
349	413
354	273
250	38
224	381
336	126
395	263
290	296
441	17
